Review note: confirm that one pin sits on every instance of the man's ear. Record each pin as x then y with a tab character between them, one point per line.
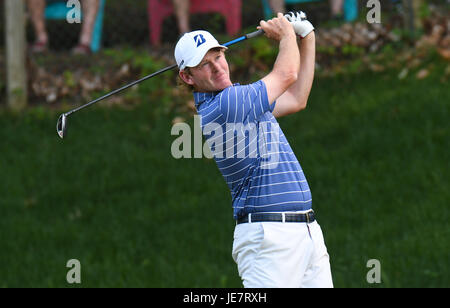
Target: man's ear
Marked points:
186	77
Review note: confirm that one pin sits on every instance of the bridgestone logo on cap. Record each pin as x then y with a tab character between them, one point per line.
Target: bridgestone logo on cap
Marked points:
199	39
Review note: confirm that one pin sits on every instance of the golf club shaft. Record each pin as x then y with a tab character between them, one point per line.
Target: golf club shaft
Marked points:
242	38
122	88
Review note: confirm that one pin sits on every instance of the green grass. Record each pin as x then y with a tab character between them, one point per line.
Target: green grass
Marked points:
375	150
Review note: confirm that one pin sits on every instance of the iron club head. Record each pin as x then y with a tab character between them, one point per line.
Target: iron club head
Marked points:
61	126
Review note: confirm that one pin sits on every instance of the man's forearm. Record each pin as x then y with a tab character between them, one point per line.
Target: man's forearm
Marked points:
288	56
302	87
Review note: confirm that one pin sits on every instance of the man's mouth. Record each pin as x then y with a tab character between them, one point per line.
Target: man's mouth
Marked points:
221	76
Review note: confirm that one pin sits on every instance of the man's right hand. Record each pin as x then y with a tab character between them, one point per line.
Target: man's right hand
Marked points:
277	28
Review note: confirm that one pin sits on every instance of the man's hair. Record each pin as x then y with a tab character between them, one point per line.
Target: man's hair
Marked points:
183	85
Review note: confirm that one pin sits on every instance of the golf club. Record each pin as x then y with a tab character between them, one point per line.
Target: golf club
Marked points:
61	125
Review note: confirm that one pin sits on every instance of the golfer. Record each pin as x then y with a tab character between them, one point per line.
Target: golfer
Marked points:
277	240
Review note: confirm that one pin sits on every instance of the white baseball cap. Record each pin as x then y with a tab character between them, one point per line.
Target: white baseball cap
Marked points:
193	46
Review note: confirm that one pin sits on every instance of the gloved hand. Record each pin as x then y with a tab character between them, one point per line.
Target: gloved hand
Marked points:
301	25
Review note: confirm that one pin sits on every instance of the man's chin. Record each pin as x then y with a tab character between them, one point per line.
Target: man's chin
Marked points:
225	85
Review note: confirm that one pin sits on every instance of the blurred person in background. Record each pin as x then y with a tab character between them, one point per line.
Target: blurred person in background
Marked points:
277	6
181	9
37	10
336	9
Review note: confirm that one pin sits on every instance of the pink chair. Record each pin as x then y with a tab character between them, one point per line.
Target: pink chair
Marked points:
160	9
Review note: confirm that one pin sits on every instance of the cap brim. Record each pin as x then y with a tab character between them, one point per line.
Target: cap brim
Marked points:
201	54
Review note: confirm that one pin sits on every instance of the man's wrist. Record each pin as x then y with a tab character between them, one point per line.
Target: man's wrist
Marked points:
308	36
290	36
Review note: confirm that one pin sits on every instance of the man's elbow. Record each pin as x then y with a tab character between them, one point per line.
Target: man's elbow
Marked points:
301	105
290	77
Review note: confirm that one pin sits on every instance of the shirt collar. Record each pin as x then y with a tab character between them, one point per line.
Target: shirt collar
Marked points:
201	97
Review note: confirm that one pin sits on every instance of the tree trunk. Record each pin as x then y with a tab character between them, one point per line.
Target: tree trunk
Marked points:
16	76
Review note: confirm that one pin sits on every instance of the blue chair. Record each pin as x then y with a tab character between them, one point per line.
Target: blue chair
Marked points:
59	10
350	8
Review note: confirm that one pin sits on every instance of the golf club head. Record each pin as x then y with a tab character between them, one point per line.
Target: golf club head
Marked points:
61	126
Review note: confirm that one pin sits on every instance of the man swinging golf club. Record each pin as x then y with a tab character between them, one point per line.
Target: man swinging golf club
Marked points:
277	240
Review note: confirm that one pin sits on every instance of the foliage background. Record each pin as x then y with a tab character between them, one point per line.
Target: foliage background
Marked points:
373	142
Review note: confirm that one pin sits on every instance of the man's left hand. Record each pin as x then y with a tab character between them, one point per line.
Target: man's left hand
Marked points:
301	25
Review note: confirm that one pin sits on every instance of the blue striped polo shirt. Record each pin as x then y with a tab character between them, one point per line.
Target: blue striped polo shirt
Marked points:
251	151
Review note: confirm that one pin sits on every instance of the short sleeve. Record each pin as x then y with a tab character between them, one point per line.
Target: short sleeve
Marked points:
244	103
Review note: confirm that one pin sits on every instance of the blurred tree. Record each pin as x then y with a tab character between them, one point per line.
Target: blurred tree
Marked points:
16	78
412	15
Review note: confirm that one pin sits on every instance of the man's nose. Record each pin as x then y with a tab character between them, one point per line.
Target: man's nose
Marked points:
215	67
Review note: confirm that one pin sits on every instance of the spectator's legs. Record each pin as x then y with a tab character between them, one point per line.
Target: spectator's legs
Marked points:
90	9
277	6
36	8
336	8
181	8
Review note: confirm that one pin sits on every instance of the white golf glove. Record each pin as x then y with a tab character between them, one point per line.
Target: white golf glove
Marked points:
301	25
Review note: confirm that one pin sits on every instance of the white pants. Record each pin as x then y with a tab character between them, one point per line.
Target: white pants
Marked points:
281	255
